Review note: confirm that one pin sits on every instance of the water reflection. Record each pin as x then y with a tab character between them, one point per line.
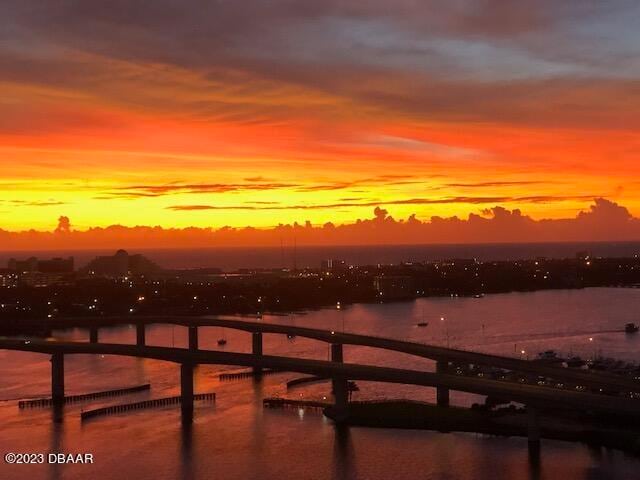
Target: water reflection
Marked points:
534	461
56	443
344	466
237	439
57	413
186	451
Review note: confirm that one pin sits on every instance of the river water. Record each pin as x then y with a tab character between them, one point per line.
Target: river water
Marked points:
235	438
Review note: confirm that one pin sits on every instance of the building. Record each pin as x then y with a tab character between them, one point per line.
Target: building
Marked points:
583	255
121	265
8	278
39	273
56	265
333	265
33	265
394	287
23	266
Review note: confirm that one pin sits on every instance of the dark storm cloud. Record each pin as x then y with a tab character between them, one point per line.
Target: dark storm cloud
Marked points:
461	60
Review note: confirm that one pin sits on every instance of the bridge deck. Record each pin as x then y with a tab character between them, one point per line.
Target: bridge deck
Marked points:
581	377
528	394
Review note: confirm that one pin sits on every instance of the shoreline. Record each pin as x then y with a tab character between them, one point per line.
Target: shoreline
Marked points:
44	326
506	422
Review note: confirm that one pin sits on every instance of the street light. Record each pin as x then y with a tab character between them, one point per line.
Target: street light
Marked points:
446	329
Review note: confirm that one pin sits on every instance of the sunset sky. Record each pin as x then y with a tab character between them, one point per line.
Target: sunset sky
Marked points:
203	113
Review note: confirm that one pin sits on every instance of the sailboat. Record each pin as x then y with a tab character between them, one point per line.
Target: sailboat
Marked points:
222	341
292	336
423	323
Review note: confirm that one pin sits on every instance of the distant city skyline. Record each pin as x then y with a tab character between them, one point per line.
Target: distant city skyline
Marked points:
261	113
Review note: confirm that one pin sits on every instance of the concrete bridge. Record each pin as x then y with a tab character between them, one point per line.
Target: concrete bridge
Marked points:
443	356
534	396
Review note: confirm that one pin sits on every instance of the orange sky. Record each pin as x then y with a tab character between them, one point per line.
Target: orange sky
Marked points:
247	114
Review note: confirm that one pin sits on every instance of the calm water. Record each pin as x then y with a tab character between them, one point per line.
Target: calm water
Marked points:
228	258
237	439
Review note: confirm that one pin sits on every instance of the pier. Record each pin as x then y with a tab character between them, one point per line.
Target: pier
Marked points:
154	403
47	402
288	403
246	374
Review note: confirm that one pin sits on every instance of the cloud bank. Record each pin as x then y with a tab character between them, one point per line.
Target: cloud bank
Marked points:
603	221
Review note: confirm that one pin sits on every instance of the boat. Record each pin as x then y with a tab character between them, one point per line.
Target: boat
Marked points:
631	328
575	362
422	323
222	341
548	355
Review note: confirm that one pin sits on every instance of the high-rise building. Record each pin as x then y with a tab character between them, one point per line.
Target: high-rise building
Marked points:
333	265
121	265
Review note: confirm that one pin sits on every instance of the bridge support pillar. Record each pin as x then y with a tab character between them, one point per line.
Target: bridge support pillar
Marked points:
57	378
140	334
442	394
341	398
533	429
93	335
256	342
193	338
340	386
336	352
186	392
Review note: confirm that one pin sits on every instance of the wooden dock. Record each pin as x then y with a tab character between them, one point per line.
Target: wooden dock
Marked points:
47	402
157	402
289	403
245	374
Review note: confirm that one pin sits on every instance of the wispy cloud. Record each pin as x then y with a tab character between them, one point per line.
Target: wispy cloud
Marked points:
408	201
34	203
251	184
381	180
498	184
134	191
